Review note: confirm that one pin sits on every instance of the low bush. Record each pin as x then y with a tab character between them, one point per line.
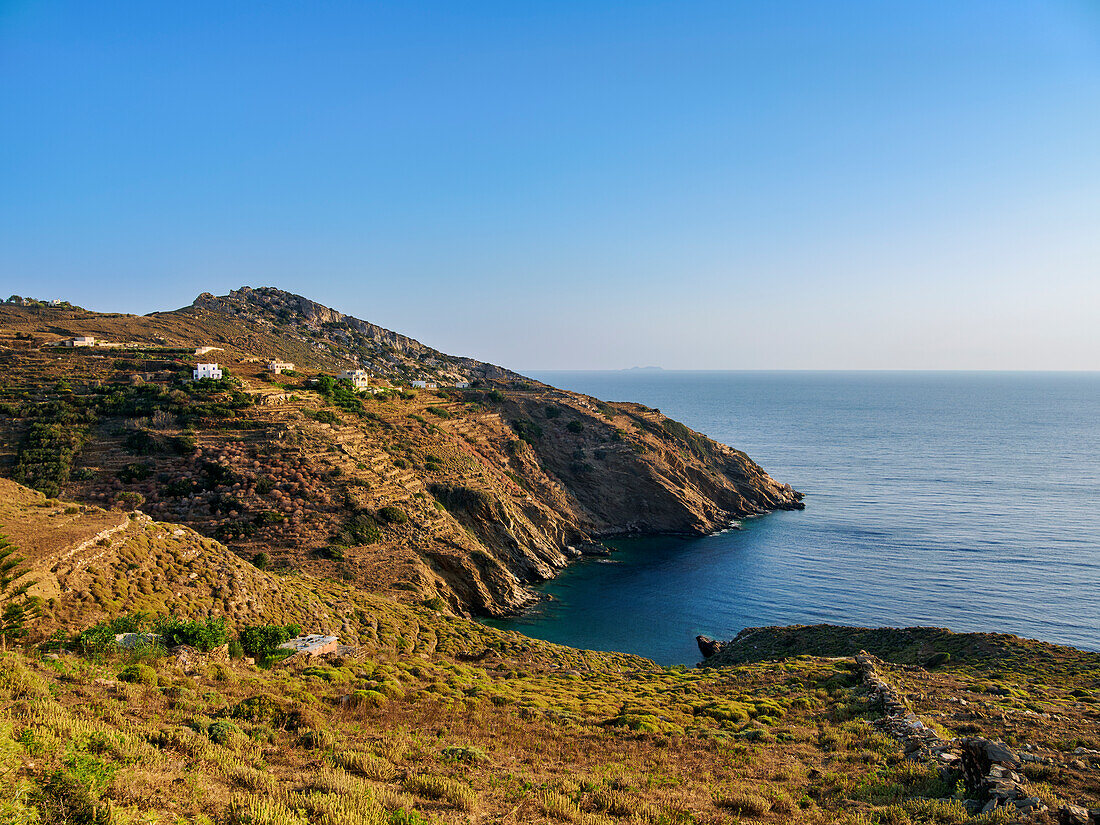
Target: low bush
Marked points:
130	500
443	788
262	641
392	515
742	802
222	732
937	660
361	528
139	675
134	472
469	754
201	635
266	518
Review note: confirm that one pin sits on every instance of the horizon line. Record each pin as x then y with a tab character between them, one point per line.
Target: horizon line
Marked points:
644	370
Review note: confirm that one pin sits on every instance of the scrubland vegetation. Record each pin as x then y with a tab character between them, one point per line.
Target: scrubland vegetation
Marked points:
398	735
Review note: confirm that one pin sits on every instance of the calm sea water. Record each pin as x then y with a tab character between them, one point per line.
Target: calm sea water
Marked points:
961	500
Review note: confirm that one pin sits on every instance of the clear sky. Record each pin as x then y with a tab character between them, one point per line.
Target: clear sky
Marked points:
713	185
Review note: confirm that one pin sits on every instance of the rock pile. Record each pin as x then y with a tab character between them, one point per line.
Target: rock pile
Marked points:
991	772
190	659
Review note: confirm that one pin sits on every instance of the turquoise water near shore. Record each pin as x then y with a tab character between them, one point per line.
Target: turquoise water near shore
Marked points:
961	500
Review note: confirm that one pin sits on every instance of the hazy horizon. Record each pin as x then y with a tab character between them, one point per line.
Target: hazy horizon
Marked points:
567	186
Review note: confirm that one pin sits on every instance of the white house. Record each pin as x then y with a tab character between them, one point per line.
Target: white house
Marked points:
206	371
278	367
360	379
204	350
56	302
462	385
81	341
424	385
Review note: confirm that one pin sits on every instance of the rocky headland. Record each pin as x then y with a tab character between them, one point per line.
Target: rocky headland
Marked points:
469	488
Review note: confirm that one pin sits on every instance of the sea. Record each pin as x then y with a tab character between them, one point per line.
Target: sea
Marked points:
962	500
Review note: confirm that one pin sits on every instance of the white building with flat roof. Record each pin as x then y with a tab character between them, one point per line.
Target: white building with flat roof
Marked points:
360	379
278	367
81	341
206	371
424	385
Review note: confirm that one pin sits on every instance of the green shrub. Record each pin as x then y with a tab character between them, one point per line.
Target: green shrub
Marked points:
134	472
392	515
99	639
361	528
367	699
260	709
340	393
262	641
202	635
139	675
266	518
937	660
527	431
469	754
130	499
222	732
261	560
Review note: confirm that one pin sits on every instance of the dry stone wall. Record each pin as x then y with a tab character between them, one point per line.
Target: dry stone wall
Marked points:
991	770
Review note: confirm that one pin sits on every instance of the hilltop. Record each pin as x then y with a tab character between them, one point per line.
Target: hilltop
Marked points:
468	493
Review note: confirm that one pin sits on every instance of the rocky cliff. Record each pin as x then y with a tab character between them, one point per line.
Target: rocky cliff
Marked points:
467	495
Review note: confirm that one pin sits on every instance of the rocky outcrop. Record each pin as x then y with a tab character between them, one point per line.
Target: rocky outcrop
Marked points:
708	646
276	304
629	469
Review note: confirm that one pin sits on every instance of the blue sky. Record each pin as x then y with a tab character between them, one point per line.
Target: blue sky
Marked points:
576	184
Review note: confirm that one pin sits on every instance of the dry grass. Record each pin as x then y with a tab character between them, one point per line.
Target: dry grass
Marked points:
442	788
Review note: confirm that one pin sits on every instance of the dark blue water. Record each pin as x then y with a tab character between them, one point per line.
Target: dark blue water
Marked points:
961	500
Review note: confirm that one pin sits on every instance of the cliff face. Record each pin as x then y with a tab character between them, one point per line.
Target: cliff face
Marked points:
468	495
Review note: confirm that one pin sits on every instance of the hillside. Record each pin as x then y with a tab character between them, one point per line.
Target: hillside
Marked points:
467	494
432	718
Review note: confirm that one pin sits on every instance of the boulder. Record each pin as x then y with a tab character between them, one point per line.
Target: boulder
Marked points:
1073	815
1000	754
189	659
708	646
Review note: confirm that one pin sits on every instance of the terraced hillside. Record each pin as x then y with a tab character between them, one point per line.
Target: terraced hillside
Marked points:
469	495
